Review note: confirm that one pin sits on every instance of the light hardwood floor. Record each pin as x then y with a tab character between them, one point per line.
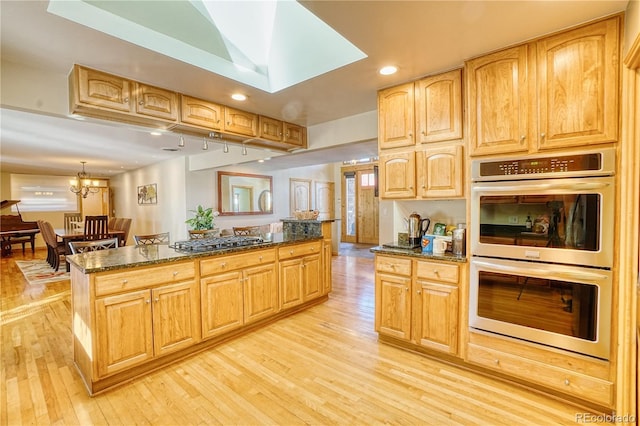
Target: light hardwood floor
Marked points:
320	366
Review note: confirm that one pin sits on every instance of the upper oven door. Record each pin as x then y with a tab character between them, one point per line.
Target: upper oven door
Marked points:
566	220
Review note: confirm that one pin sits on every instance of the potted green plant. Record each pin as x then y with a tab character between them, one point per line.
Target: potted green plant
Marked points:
203	218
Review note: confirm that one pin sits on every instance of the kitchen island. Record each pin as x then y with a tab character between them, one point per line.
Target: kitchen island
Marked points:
137	308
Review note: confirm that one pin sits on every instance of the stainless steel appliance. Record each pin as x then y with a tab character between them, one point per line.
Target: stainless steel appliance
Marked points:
542	249
417	228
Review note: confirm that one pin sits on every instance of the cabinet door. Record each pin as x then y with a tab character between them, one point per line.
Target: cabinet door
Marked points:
104	90
270	129
439	107
260	292
435	311
240	122
175	317
440	172
123	331
295	135
290	283
312	283
200	113
578	86
221	299
156	102
498	99
327	263
397	175
393	306
396	116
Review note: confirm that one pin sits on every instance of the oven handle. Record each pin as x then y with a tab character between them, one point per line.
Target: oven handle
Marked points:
582	275
578	186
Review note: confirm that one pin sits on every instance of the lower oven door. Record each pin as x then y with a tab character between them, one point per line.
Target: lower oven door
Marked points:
566	307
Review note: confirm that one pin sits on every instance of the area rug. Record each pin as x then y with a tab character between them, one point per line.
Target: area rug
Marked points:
39	272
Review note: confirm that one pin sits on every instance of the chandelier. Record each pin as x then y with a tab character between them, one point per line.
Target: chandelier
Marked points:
82	184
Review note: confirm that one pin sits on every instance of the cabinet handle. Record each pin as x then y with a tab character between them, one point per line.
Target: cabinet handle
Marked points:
567	382
260	258
223	265
290	251
497	362
542	135
522	138
406	288
304	266
124	282
140	103
436	272
157	299
418	292
424	133
175	273
126	100
148	301
411	134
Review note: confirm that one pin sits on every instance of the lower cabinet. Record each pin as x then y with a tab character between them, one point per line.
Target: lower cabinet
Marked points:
300	274
417	301
237	290
137	326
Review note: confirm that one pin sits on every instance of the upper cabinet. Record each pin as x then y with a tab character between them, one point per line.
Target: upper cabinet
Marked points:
559	91
102	95
578	86
396	118
98	94
438	104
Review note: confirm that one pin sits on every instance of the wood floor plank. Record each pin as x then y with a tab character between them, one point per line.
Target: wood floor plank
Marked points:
321	366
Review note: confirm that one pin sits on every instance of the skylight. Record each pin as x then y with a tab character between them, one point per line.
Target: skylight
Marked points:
270	45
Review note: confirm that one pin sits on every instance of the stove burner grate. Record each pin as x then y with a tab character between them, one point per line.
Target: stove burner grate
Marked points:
215	243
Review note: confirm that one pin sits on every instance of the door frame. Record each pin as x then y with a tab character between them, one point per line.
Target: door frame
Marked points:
343	205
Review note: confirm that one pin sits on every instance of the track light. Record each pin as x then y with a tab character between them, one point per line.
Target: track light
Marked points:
225	149
244	150
205	144
181	142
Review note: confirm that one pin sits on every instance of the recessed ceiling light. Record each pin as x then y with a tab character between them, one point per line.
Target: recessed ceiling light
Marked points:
239	97
388	70
156	133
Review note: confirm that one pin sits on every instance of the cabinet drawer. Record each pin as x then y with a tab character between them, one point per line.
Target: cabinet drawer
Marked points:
299	250
215	265
143	278
565	381
393	265
437	271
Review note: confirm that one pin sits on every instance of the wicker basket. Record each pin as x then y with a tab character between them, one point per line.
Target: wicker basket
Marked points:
306	214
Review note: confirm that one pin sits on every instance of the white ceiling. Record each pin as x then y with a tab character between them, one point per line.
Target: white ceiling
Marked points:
420	37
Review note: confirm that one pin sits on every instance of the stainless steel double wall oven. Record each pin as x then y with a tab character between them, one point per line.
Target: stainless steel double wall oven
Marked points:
542	249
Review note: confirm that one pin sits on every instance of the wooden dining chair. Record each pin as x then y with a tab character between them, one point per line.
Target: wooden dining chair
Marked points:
161	238
123	224
246	230
87	246
55	248
96	227
71	219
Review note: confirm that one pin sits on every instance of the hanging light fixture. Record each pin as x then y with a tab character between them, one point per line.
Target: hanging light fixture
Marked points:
205	144
82	184
181	142
244	150
225	149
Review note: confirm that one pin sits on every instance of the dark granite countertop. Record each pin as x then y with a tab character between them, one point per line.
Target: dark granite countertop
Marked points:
293	219
144	255
417	253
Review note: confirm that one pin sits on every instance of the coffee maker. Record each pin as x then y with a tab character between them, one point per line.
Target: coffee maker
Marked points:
417	228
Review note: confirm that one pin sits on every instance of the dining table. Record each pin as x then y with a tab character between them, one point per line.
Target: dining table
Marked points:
77	234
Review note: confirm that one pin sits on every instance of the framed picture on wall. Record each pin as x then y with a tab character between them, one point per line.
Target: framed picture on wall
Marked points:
148	194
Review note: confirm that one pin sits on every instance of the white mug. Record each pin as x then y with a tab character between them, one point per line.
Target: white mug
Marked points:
439	246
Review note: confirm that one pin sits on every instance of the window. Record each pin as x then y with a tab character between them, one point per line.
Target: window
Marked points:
43	193
367	180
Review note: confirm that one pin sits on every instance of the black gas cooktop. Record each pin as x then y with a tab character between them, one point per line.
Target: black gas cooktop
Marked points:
215	243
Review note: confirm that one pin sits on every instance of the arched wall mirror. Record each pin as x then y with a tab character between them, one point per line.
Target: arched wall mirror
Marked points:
242	194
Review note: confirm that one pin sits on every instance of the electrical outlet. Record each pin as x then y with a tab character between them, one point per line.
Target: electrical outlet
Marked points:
513	219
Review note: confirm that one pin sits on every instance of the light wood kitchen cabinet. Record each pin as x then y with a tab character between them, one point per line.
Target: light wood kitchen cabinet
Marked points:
237	290
556	92
438	102
200	113
271	129
578	86
397	174
498	102
299	273
327	266
393	296
396	116
133	327
440	171
435	306
240	122
102	95
295	135
155	102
